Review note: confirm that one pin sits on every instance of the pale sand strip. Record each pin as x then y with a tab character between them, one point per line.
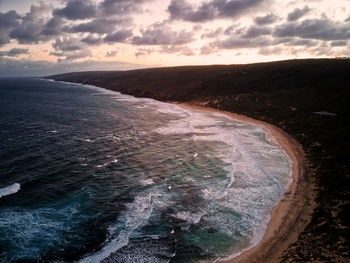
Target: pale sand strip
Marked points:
293	212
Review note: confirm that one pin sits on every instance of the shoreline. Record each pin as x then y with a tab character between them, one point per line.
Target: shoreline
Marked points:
292	213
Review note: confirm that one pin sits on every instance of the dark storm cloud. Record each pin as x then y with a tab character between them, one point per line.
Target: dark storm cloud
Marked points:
340	43
161	34
298	13
29	33
121	7
265	20
100	25
119	36
321	29
4	38
14	52
30	30
9	19
182	10
77	9
53	27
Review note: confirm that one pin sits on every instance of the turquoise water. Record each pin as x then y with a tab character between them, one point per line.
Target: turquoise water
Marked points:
91	175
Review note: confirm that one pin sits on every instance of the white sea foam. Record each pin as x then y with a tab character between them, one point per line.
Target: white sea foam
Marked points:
136	215
254	165
9	190
190	217
146	182
106	164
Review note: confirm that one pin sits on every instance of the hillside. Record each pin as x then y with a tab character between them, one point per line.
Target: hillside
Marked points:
309	99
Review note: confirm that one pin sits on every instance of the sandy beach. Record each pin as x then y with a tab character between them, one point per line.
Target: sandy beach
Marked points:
293	211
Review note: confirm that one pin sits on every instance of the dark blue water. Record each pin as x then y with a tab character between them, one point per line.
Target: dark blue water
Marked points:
93	175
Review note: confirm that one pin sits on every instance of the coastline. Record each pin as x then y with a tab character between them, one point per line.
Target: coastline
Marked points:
292	213
285	94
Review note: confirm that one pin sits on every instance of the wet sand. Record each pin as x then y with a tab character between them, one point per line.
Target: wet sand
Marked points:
293	211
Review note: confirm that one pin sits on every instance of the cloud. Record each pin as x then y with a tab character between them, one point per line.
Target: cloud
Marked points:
77	9
298	13
9	19
212	34
294	41
112	53
121	7
14	52
70	49
265	20
266	51
162	34
197	27
254	31
210	10
53	27
237	43
100	25
29	31
322	29
119	36
4	38
180	50
181	10
92	40
230	30
207	50
67	44
70	56
36	12
143	52
340	43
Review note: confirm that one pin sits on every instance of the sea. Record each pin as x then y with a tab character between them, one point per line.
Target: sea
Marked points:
92	175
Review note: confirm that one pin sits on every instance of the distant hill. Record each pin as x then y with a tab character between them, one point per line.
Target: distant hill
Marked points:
309	99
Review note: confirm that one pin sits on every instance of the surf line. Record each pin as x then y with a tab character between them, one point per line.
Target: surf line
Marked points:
289	217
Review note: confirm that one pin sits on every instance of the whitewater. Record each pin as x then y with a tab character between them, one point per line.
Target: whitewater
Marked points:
116	178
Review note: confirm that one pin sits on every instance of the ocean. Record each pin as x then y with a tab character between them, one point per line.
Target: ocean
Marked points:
91	175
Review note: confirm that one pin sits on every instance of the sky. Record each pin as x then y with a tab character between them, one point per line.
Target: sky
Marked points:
45	37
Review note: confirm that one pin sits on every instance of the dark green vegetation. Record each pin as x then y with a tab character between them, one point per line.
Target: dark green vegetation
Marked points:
286	94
